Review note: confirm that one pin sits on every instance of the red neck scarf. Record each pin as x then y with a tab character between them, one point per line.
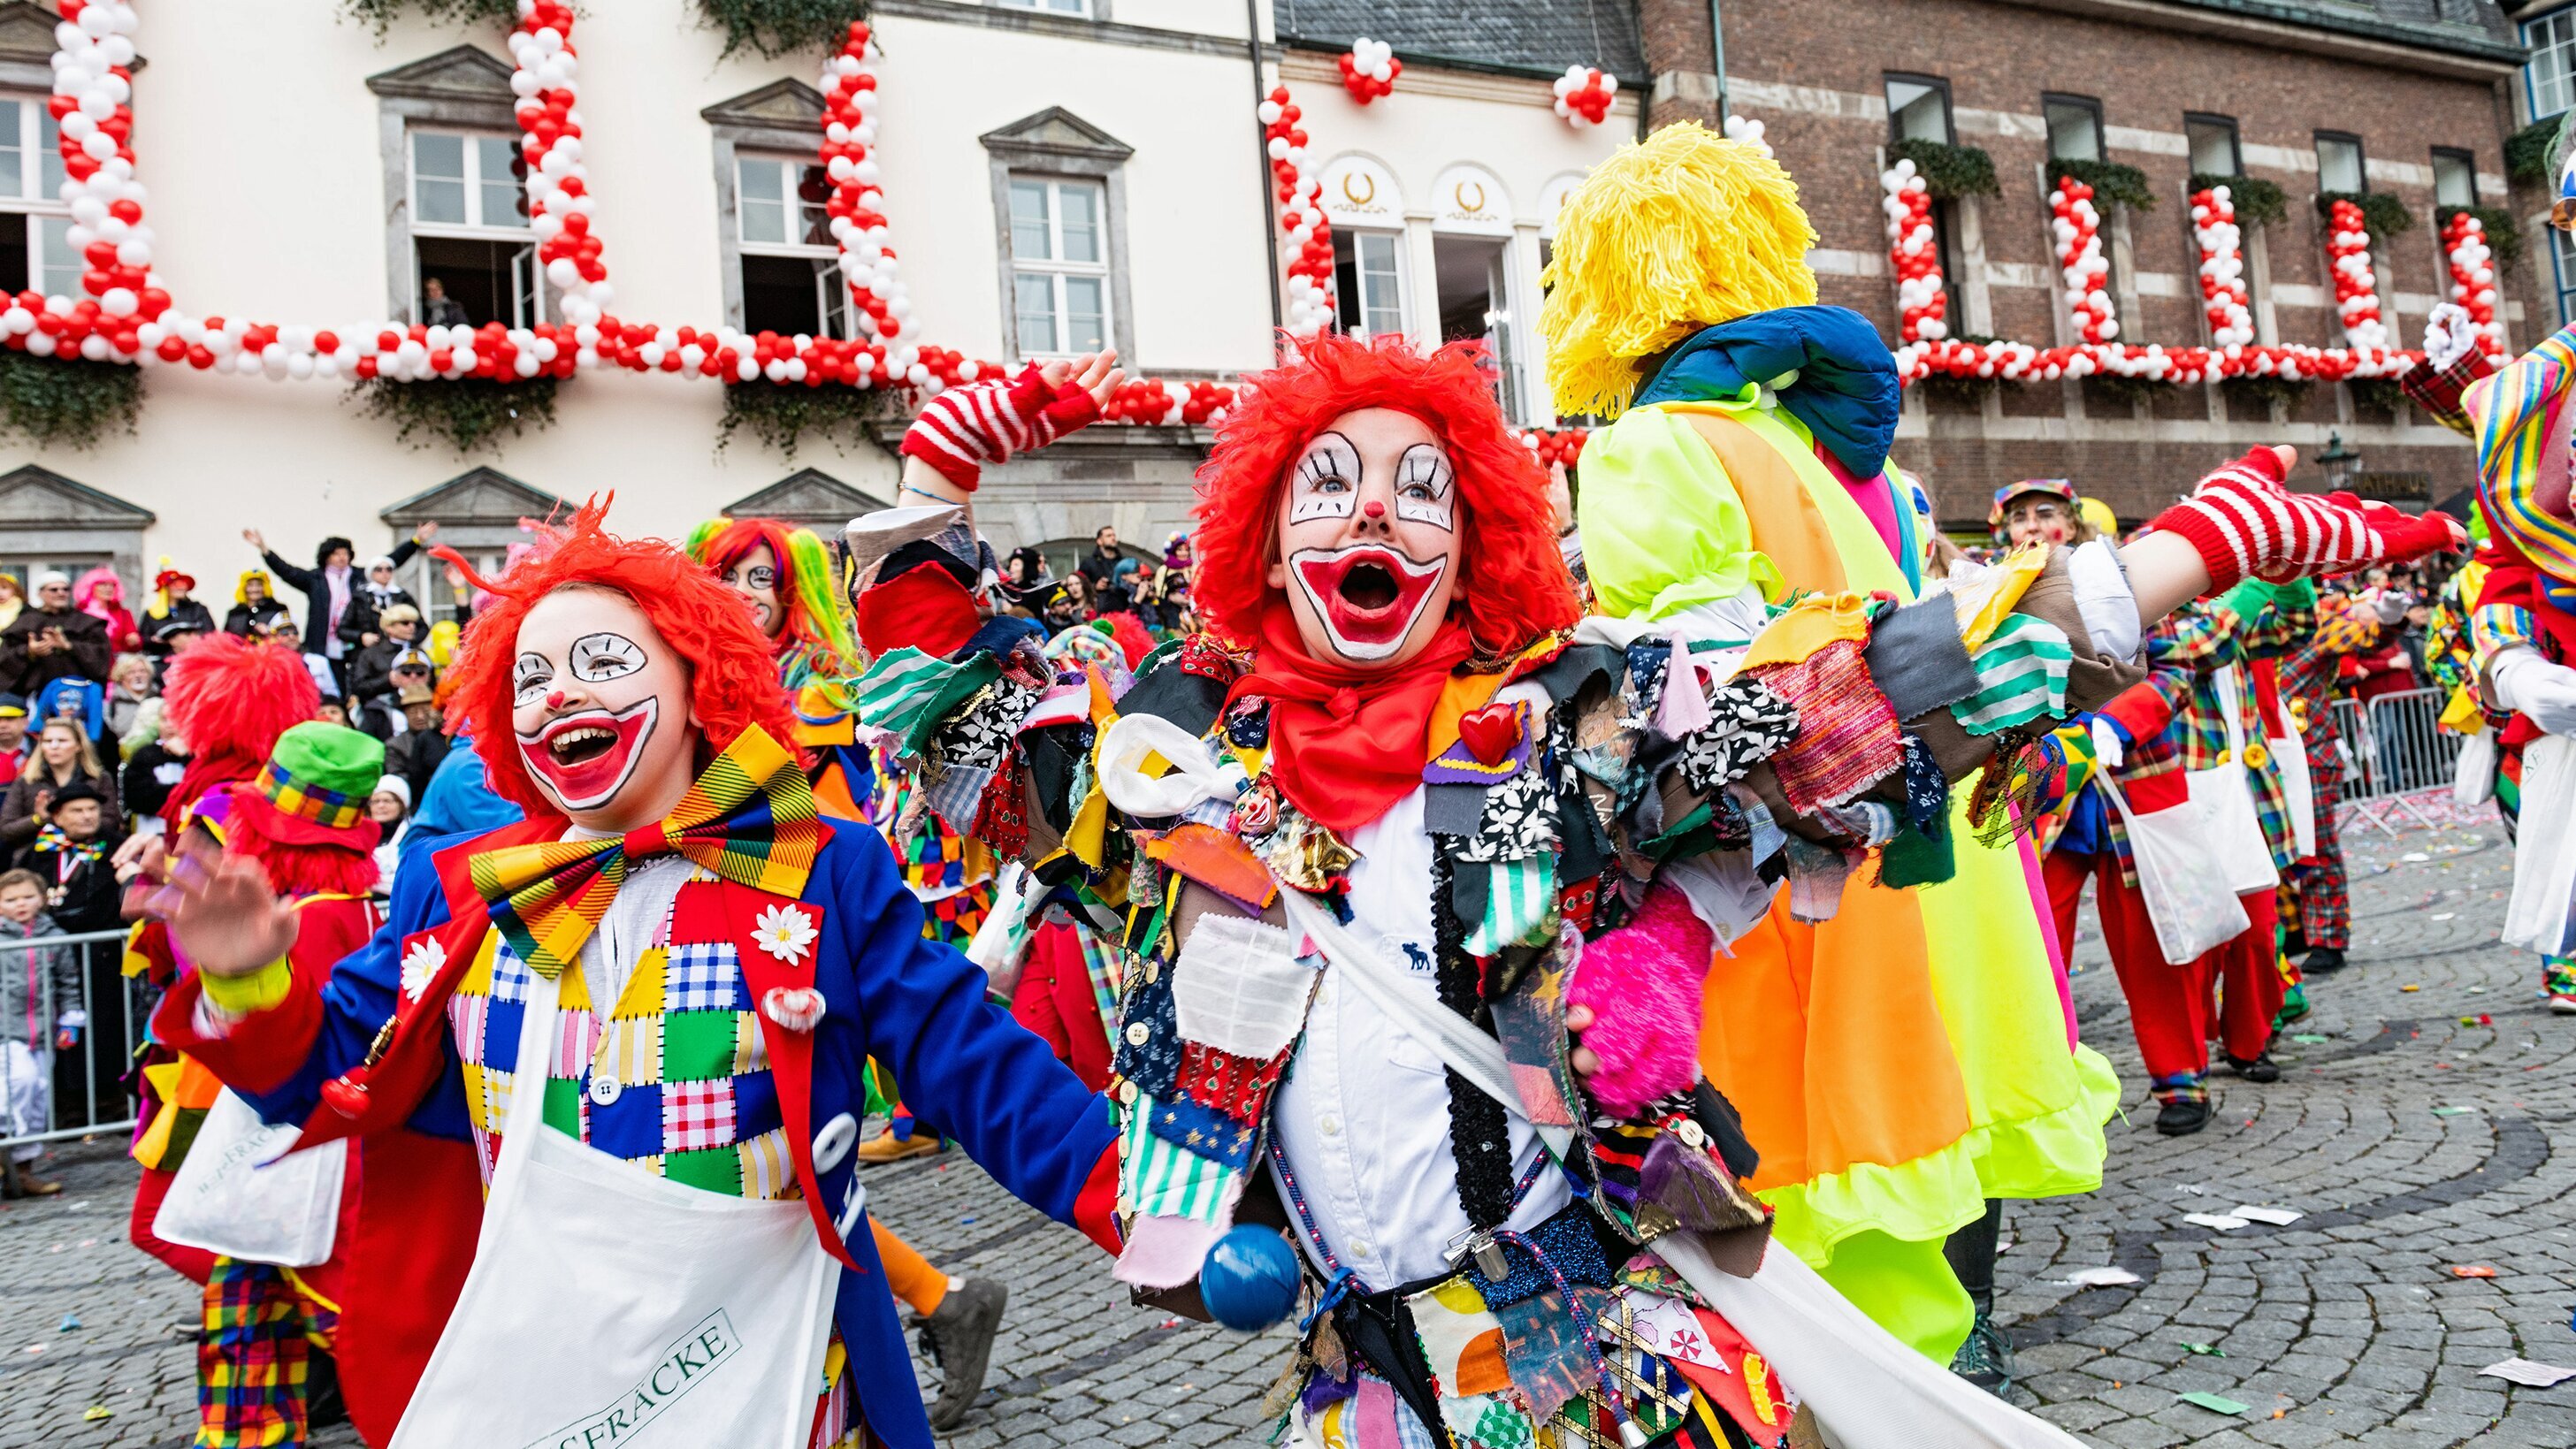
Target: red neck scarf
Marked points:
1346	741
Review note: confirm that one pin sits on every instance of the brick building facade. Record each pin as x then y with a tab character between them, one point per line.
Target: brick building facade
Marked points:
2426	90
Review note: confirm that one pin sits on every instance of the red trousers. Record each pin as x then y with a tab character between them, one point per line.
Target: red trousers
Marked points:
1055	1000
2170	1006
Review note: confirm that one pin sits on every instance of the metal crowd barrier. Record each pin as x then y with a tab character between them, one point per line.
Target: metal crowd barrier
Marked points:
84	1089
2396	762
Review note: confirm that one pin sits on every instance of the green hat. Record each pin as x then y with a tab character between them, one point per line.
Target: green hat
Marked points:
314	788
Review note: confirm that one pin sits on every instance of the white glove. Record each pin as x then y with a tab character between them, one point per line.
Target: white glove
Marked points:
2448	335
2532	686
2390	605
2106	744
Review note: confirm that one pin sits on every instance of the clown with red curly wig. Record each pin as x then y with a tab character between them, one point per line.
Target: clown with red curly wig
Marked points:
613	1055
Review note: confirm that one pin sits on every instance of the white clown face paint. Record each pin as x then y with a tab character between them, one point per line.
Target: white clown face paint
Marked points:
754	577
600	708
1368	539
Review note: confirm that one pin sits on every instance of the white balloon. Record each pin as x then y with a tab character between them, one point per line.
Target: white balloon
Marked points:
118	301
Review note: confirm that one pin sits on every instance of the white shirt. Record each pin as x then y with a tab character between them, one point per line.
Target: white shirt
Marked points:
1364	1113
631	924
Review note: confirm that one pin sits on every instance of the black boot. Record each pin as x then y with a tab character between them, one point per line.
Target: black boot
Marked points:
959	1338
1986	1358
2183	1113
2322	961
2261	1069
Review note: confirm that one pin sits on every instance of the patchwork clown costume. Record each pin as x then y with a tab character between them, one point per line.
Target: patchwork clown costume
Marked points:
678	1012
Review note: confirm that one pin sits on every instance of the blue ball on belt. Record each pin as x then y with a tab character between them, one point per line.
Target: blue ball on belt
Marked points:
1249	1279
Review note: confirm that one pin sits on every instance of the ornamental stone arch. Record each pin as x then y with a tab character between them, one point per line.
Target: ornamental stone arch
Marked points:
50	521
462	88
785	116
809	497
477	513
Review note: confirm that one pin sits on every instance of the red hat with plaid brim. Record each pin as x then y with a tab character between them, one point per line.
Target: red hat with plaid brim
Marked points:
314	788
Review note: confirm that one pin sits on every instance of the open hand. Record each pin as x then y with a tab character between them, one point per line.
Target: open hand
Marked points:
222	913
255	539
1096	373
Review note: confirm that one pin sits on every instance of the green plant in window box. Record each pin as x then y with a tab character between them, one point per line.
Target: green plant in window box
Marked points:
1948	171
2526	152
382	13
781	27
2114	390
2113	184
466	412
2258	202
67	402
2379	395
2382	215
1969	391
779	415
2260	391
2503	233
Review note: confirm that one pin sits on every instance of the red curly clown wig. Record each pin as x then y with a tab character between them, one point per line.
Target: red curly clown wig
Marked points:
733	682
229	699
1513	586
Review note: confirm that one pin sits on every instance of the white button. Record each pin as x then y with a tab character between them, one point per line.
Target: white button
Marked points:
1691	1134
1324	994
1331	1124
1138	1033
1360	1248
604	1089
1153	972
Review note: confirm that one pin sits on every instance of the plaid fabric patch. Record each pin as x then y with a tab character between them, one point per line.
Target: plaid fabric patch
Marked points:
693	1099
309	801
251	1358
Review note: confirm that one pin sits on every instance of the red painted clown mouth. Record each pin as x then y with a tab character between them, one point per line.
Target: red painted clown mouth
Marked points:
586	758
1370	595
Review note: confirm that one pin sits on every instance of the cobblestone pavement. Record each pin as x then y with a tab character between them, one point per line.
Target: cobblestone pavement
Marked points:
2413	1140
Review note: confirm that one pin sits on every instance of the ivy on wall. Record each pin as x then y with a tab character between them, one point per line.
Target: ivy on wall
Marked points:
781	415
467	413
2526	152
2257	202
781	27
2112	182
67	401
2382	214
381	14
1948	171
2260	391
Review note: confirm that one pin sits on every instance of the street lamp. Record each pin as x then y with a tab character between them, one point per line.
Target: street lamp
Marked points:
2340	463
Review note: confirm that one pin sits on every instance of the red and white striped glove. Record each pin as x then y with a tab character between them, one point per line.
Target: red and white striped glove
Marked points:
966	428
2243	522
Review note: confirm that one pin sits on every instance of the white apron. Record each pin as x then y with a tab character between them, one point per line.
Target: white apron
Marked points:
610	1307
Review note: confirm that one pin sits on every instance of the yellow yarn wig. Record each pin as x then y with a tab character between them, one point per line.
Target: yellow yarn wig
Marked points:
1677	232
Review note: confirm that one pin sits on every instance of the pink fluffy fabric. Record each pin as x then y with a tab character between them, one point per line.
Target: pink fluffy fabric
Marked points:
1642	982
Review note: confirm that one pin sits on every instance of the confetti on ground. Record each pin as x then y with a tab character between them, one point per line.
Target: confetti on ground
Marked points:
2220	1221
2214	1403
2472	1270
2205	1350
2307	1038
70	1322
2277	1217
2100	1277
96	1412
2451	1111
2445	915
2524	1371
33	1348
2481	1019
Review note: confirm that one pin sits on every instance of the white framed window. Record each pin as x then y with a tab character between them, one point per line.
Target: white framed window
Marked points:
791	275
2455	177
2562	257
474	257
1368	279
1059	265
2074	127
2549	77
35	248
2339	165
1051	7
1918	109
2215	150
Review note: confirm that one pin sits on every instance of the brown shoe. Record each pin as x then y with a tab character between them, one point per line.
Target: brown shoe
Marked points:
28	1184
885	1147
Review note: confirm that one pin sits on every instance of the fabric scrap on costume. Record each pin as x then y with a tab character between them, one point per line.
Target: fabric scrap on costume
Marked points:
1748	724
1162	1178
1530	1023
1848	735
907	693
1203	1130
1520	821
2021	676
1164	1251
1808	626
1520	905
1236	1086
1240	986
1545	1351
1918	660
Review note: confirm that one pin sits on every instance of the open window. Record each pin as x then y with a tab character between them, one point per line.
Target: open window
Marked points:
474	256
35	251
790	268
1368	281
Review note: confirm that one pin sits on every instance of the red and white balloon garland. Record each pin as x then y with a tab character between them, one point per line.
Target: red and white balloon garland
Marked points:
92	87
2082	268
1369	69
1583	95
2464	247
2222	267
1555	445
2356	286
1922	303
1301	217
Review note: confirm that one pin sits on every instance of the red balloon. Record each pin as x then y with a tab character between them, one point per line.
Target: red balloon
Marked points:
172	349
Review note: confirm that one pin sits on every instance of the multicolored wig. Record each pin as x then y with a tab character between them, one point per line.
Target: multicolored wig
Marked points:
1680	231
807	586
1513	586
733	680
229	699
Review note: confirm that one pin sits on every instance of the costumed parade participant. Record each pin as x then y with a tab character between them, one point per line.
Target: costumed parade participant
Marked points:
2316	894
2043	510
784	576
302	824
695	966
1401	820
1900	1040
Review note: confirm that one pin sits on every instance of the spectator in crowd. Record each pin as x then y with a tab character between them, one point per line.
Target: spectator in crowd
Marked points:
64	757
255	605
129	684
1069	607
398	632
2415	636
1026	581
384	715
83	702
332	711
171	637
41	1012
174	613
14	748
390	808
13	597
1172	584
383	592
1111	574
70	857
415	753
100	594
152	770
337	618
437	309
325	678
52	641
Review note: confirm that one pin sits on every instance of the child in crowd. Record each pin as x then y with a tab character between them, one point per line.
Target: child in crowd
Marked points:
40	1009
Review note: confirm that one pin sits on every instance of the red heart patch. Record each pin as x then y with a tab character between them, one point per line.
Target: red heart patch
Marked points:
1491	733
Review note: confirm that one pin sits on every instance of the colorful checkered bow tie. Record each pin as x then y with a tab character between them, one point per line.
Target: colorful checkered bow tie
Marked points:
750	819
